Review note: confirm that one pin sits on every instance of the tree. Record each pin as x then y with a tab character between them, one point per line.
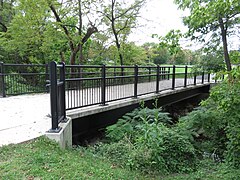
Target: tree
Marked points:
216	18
134	54
121	17
6	14
33	33
156	54
77	33
24	34
171	42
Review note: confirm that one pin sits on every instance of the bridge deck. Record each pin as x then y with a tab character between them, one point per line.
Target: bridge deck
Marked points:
27	116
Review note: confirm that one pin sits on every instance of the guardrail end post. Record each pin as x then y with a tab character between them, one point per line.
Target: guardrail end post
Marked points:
53	97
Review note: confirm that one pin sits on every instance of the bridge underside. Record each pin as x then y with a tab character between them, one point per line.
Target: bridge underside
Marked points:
87	121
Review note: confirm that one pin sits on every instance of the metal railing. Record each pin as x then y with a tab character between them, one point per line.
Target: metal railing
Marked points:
83	85
18	79
57	95
76	86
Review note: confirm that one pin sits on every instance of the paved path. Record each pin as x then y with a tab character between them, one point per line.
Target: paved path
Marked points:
25	117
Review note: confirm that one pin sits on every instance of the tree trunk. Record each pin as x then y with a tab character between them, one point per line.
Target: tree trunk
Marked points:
81	57
225	45
62	56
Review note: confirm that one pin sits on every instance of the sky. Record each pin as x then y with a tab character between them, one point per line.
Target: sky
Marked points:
158	17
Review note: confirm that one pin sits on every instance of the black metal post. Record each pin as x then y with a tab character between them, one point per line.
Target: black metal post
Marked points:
149	74
3	79
54	97
208	77
173	77
135	81
195	79
164	72
62	91
203	77
185	76
157	79
168	73
103	85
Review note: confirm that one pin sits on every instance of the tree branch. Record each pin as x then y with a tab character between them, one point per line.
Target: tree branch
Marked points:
4	27
63	26
129	9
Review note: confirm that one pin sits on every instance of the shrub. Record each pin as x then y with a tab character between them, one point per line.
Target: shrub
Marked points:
225	100
128	124
144	140
207	129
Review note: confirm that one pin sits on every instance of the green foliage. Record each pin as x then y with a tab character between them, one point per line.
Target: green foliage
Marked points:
216	19
171	41
129	123
207	129
235	57
225	99
144	140
211	63
133	54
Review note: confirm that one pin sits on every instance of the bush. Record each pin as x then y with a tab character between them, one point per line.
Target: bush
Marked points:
144	140
127	126
207	129
225	100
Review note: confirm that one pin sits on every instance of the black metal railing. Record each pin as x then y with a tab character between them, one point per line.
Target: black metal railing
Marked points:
76	86
91	85
57	95
18	79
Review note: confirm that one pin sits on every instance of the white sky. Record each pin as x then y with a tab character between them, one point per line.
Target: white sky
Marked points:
159	17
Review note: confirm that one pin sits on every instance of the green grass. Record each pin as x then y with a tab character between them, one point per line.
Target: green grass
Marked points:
43	159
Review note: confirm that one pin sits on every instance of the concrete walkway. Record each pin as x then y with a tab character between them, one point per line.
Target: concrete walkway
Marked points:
23	117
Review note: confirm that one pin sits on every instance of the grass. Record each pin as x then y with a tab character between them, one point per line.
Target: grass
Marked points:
43	159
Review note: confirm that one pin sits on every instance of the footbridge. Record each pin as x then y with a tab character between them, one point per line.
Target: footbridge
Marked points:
85	99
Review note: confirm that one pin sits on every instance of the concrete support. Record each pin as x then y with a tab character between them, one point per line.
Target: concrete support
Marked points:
64	137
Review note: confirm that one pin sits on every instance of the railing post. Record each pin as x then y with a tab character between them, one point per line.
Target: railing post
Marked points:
173	77
185	76
62	91
168	76
209	77
157	79
195	79
53	97
135	81
203	77
103	85
149	74
164	72
3	79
